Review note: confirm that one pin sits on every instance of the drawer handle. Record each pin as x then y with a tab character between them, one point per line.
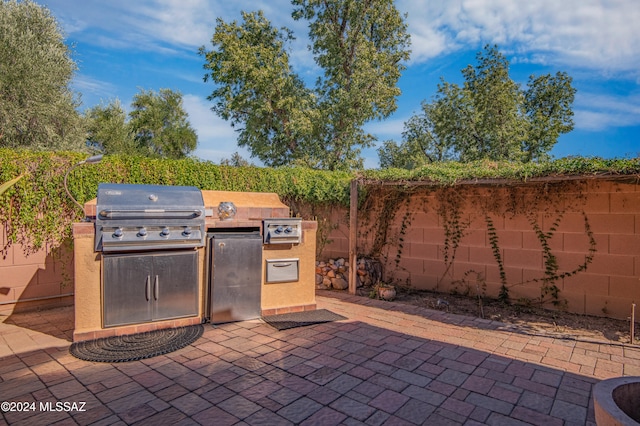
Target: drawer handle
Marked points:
281	265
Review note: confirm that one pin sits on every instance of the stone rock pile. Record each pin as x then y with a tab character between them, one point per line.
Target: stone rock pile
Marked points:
334	273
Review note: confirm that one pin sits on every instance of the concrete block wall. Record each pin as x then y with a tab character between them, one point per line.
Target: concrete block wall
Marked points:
608	286
44	278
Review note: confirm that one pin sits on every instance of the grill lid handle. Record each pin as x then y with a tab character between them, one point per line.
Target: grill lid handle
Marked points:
150	214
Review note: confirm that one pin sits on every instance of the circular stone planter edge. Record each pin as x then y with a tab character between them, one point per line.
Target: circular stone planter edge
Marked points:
607	411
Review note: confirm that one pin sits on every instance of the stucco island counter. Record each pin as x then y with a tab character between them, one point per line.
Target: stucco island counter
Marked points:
281	292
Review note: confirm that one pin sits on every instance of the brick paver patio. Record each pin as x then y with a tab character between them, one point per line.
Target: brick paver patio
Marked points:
387	364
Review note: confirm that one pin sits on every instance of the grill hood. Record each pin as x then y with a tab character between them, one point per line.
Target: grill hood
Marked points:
143	217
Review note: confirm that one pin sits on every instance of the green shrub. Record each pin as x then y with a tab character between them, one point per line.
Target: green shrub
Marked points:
36	210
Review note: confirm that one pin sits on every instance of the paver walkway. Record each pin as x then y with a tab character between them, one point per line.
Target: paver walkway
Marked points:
387	364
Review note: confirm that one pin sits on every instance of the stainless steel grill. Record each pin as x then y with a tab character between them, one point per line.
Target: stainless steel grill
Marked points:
148	217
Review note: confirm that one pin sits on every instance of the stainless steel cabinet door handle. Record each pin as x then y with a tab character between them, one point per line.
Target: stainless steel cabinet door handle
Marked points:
147	287
155	288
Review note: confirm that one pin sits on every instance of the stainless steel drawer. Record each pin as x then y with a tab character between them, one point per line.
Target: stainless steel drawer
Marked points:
282	270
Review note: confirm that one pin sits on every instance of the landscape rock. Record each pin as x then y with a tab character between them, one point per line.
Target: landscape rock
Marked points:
339	283
334	273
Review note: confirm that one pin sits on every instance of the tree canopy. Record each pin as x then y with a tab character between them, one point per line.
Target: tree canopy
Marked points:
360	47
258	91
489	117
157	126
37	106
108	129
161	125
236	160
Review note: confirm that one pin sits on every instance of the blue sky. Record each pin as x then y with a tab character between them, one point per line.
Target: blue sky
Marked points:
122	46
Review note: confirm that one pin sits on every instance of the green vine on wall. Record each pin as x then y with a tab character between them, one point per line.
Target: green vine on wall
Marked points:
492	233
386	204
513	201
449	209
404	225
549	285
35	212
450	205
380	232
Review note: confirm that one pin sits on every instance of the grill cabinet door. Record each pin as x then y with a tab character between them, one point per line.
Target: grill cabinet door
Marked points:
126	289
236	276
175	285
149	287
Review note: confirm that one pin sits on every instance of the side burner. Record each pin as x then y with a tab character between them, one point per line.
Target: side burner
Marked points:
282	231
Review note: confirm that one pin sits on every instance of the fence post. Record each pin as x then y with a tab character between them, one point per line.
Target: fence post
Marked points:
353	223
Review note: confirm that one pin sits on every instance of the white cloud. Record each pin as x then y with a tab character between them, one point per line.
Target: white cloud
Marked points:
387	129
580	36
92	87
169	25
216	137
593	34
596	112
155	25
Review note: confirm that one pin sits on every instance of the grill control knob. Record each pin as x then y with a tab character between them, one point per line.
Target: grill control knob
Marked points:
117	233
165	232
186	232
142	232
279	230
288	230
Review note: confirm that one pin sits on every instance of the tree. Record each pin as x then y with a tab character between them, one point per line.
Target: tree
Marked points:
359	45
547	104
160	125
37	107
258	90
236	160
489	117
420	145
156	126
109	131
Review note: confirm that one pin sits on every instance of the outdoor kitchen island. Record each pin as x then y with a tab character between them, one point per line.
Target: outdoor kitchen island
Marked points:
284	280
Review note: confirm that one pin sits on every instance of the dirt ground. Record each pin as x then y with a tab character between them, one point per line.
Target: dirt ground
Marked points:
532	319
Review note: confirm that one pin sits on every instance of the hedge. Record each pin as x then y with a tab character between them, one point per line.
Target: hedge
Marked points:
37	211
